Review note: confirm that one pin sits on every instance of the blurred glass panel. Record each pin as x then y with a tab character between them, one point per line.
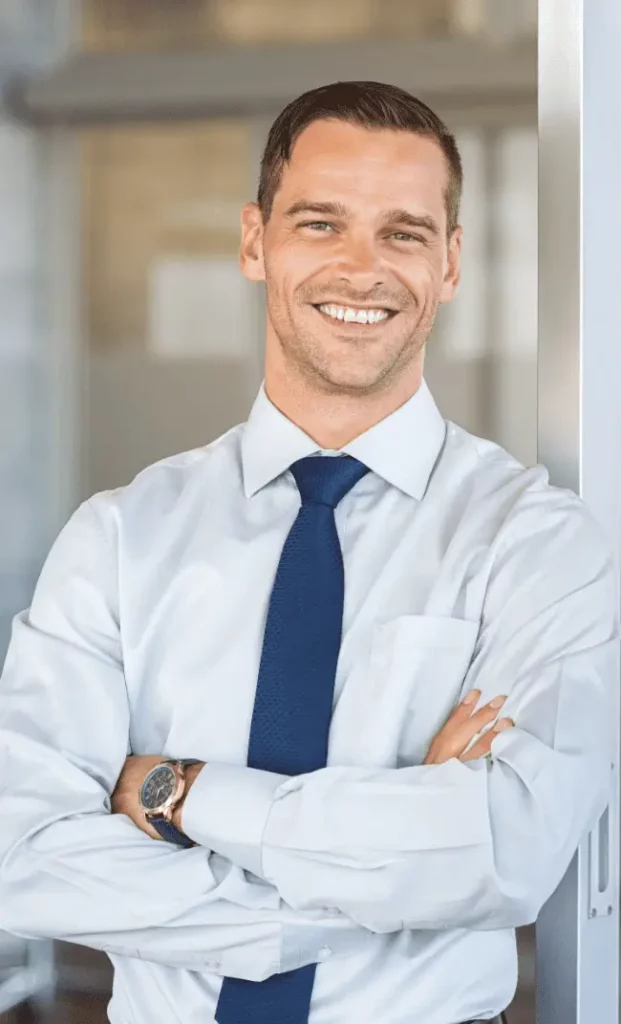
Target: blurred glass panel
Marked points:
462	325
515	273
150	193
481	360
456	358
172	358
146	24
21	19
110	25
242	22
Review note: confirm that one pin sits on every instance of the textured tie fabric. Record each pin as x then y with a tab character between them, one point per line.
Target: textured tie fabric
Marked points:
295	690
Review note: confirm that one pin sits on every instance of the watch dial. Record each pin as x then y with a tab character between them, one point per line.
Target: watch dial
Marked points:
158	787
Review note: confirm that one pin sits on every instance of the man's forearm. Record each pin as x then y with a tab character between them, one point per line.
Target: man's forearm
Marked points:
99	882
361	840
94	879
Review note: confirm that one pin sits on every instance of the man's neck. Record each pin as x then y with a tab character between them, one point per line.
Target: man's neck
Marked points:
333	420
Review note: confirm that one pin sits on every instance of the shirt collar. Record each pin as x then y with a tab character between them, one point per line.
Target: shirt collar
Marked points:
402	448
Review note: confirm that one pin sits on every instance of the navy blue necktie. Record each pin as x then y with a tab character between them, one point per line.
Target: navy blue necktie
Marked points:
295	690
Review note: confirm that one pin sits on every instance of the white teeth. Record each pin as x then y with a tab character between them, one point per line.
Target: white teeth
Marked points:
351	315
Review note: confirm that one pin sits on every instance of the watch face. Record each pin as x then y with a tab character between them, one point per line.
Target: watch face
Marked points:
158	787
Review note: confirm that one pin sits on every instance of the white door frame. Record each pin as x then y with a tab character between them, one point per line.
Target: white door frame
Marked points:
579	356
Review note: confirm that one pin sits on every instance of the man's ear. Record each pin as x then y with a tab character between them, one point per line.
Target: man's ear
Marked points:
452	272
251	248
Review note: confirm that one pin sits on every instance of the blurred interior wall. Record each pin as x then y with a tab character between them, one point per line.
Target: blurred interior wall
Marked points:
27	38
188	24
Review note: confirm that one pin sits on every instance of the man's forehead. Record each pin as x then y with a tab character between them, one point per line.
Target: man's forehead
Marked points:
394	161
328	138
373	172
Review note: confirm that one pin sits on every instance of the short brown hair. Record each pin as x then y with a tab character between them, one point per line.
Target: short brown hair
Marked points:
371	105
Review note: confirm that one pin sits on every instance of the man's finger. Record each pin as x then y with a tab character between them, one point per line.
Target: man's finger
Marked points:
465	708
465	730
483	746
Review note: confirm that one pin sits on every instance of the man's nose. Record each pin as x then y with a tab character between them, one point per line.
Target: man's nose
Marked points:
360	263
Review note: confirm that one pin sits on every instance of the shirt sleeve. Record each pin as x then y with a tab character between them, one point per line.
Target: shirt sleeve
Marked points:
479	844
69	868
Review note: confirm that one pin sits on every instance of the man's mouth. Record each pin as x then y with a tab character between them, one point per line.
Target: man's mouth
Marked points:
355	314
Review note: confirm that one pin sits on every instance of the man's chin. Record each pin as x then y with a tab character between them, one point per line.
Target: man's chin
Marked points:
350	380
332	366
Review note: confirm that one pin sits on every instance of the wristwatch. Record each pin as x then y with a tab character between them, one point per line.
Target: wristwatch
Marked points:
160	793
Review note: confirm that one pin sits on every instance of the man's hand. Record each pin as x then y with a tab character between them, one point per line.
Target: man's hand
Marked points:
125	798
460	728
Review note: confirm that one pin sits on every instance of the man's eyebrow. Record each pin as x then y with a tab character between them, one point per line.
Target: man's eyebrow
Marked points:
396	216
308	206
412	220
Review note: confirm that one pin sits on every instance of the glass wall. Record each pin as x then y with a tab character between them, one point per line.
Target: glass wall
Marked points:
172	350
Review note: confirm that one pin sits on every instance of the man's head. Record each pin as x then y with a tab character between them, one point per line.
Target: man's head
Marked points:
357	210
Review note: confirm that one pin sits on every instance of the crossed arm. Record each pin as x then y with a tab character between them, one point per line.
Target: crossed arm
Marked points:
453	740
427	846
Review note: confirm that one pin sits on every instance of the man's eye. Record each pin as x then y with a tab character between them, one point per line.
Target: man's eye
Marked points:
403	236
318	225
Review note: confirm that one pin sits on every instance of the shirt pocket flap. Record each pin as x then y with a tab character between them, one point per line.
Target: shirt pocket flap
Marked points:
414	631
415	662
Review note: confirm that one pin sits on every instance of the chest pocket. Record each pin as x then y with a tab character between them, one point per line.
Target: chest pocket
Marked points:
410	683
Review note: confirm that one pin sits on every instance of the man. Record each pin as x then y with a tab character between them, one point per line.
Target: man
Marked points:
301	608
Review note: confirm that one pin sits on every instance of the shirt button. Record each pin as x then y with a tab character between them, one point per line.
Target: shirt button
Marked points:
324	953
212	965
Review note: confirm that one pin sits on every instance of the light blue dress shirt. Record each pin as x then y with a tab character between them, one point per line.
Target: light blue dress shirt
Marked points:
405	882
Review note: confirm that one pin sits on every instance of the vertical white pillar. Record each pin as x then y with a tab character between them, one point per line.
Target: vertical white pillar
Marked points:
579	427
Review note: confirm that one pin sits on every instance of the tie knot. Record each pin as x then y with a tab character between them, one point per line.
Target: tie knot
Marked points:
324	480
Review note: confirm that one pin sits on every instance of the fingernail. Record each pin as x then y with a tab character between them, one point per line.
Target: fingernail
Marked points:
497	702
504	723
472	696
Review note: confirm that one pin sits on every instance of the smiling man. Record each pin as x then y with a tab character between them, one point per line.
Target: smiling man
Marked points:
303	635
358	242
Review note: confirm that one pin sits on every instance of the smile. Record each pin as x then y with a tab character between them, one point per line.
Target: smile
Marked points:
352	315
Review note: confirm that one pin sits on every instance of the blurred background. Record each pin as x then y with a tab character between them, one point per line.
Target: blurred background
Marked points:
130	136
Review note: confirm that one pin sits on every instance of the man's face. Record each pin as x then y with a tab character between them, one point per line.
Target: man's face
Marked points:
355	255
